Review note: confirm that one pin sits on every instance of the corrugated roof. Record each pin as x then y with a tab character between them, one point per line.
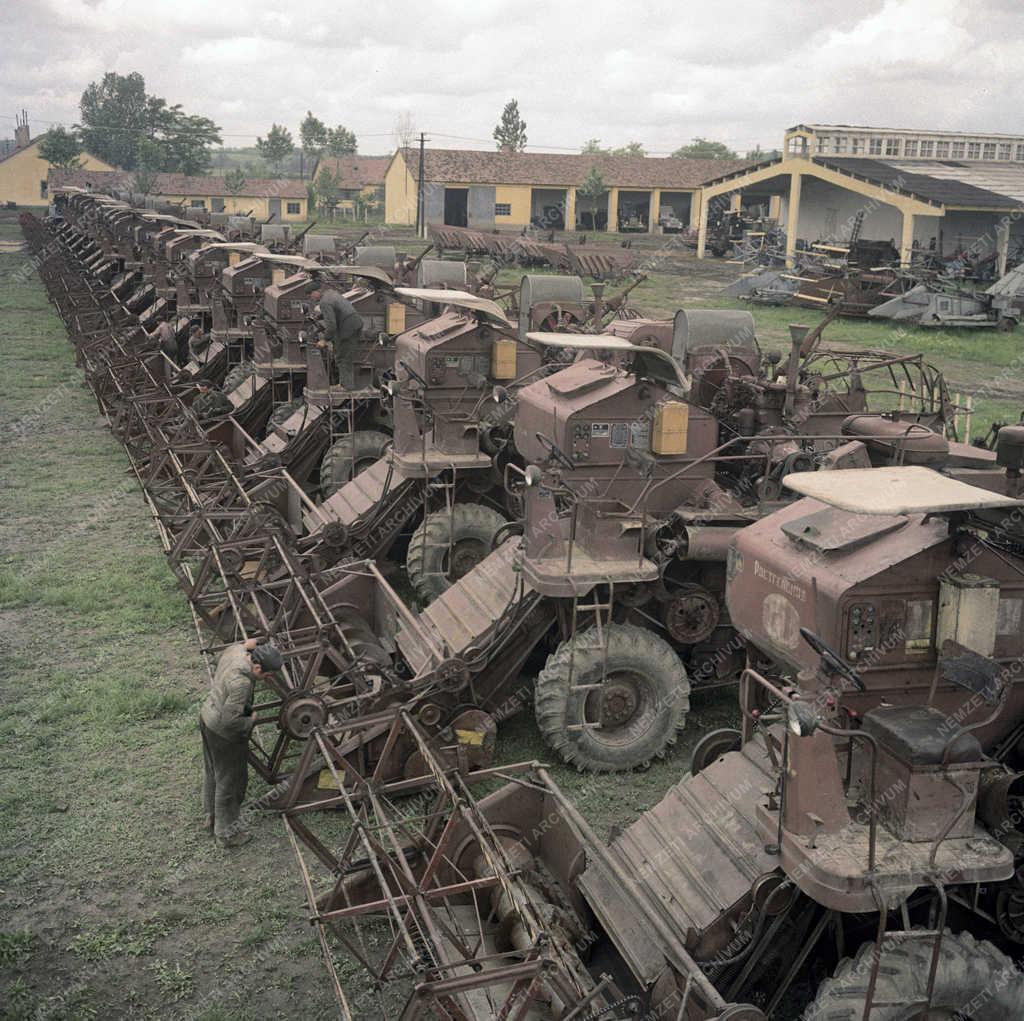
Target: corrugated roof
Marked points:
946	183
178	184
904	131
356	171
472	166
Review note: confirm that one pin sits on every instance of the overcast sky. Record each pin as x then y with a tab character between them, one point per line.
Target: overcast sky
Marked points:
659	73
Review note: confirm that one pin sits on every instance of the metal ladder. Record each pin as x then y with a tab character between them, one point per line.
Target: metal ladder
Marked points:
904	935
601	628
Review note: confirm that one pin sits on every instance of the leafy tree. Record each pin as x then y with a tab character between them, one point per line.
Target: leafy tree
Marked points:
705	149
760	154
341	142
593	186
367	201
510	132
144	181
115	115
313	136
276	147
61	148
118	116
325	189
630	149
593	147
234	181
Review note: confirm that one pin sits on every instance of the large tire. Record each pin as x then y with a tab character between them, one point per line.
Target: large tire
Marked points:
283	412
646	692
972	976
467	533
237	376
359	449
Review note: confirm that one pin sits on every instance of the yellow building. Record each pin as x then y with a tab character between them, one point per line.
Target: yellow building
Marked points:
24	174
471	188
937	191
283	198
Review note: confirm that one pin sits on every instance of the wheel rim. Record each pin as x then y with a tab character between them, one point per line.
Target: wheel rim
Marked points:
624	706
463	557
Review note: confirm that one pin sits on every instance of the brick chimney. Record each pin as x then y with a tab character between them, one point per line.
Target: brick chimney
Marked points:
21	133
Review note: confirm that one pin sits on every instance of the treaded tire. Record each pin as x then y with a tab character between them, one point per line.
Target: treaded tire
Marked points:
283	412
362	448
635	656
972	976
471	527
237	376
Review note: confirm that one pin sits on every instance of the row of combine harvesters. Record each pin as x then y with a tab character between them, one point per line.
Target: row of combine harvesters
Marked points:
597	512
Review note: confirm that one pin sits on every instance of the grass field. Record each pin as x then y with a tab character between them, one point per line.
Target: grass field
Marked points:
113	901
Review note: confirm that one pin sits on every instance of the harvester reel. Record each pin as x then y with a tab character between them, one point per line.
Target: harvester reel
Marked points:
692	614
301	714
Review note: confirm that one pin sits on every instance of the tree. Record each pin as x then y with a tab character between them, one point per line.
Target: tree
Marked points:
510	132
234	181
313	136
276	147
144	181
593	186
325	189
630	149
760	154
705	149
118	116
341	142
61	148
593	147
405	130
367	201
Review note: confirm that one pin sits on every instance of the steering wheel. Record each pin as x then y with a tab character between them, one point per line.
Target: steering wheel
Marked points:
832	660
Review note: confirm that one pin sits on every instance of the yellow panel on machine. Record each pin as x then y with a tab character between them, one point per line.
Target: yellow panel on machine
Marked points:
396	318
503	359
671	425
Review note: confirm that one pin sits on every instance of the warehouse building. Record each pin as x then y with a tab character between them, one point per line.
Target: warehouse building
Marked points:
947	192
283	198
24	174
470	188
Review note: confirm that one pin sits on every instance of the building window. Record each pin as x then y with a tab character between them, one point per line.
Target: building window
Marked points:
502	208
928	149
42	189
892	147
959	148
197	203
294	209
974	150
1004	150
875	146
1020	153
823	143
942	150
797	145
990	150
910	148
856	146
840	145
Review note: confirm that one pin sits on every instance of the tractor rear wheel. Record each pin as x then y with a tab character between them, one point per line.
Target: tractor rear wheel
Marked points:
973	979
446	546
348	456
237	376
641	702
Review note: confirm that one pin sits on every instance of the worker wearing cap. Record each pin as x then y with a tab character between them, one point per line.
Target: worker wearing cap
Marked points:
225	721
342	327
198	343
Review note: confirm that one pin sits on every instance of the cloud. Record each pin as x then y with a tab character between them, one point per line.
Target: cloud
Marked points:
660	73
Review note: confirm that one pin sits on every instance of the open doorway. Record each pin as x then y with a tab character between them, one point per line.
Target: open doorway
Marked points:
634	211
456	207
547	208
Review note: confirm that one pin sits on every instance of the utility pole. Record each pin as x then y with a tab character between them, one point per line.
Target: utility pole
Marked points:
421	212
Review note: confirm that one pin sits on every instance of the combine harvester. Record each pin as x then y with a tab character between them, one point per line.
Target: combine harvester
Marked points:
846	856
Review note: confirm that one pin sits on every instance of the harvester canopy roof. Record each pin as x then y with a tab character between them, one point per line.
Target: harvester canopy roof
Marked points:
649	361
459	299
168	218
200	233
366	272
903	490
252	247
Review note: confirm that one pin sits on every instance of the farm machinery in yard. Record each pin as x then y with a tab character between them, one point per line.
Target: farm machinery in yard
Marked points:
850	854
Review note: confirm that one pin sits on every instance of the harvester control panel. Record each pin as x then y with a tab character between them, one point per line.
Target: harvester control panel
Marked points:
862	630
463	365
